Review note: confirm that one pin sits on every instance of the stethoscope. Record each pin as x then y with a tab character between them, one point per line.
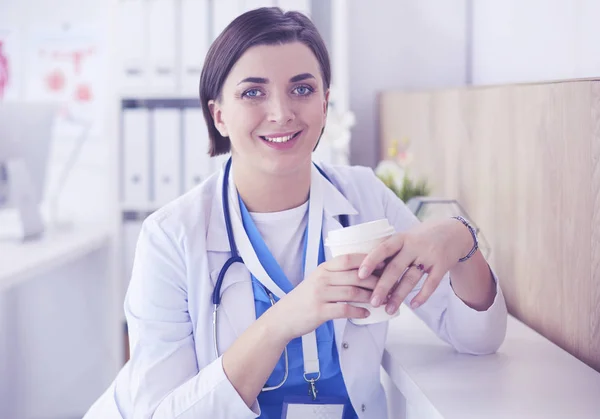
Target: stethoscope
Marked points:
235	258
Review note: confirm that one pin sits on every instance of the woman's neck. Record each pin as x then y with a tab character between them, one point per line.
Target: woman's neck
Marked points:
262	192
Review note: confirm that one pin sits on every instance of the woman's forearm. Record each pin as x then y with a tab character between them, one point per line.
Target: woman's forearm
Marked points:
472	282
250	360
472	279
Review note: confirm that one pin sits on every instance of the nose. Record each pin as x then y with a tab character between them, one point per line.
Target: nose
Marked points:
280	110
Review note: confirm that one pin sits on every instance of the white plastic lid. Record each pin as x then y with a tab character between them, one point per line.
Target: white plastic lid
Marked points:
360	233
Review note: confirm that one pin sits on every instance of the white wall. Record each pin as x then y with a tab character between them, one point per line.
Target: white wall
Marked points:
402	44
535	40
430	44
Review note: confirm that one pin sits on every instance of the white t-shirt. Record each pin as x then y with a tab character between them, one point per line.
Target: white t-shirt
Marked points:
283	233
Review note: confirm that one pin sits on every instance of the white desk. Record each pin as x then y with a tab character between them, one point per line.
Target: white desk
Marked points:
529	377
22	261
53	290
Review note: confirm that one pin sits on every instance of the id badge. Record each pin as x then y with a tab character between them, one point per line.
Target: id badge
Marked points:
304	407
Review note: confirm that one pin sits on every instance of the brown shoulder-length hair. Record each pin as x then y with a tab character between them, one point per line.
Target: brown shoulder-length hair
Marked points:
264	26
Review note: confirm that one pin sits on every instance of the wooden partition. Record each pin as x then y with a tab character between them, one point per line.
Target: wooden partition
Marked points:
524	162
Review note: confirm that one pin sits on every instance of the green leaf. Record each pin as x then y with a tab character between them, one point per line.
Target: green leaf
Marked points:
408	189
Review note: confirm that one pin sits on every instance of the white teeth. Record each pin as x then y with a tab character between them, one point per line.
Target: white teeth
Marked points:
280	139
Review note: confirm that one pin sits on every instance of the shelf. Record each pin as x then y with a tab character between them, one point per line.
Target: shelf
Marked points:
138	208
529	376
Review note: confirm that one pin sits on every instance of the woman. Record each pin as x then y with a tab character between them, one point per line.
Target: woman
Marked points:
264	91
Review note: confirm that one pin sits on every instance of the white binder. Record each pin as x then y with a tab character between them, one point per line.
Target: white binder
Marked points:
302	6
136	171
195	39
255	4
162	45
132	42
196	160
225	11
167	155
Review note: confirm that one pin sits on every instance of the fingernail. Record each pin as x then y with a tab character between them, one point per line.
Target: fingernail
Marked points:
415	304
376	301
390	309
363	272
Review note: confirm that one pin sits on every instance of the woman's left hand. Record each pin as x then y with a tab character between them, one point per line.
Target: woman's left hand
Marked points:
431	247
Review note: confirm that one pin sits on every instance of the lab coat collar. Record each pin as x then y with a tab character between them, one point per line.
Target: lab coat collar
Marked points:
334	203
216	237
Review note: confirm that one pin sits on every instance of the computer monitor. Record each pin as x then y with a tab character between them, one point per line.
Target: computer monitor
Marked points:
25	134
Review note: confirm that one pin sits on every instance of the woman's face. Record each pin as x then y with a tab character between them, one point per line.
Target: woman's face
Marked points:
273	107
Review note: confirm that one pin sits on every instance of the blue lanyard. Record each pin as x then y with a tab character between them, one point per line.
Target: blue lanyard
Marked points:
332	383
265	256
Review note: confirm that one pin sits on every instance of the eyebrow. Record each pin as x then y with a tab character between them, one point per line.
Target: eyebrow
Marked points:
301	77
262	80
259	80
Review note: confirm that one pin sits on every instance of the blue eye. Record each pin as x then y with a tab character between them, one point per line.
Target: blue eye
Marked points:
303	90
252	93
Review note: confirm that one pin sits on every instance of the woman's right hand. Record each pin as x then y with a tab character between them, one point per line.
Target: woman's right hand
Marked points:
322	295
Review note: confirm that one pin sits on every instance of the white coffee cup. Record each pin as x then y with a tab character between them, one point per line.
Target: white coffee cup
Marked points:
362	238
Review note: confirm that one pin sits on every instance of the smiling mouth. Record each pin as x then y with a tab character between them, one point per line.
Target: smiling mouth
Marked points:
283	139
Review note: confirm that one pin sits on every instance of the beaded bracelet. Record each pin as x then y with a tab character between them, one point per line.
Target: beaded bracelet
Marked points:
473	234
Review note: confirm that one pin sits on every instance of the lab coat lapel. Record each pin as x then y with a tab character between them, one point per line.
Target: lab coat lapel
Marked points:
216	236
236	312
339	325
334	204
244	246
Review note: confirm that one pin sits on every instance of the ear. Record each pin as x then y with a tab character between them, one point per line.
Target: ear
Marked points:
326	103
217	116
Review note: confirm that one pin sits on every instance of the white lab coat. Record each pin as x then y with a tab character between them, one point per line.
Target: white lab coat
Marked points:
173	372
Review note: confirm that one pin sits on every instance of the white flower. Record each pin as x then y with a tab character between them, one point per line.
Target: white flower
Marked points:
389	168
336	137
